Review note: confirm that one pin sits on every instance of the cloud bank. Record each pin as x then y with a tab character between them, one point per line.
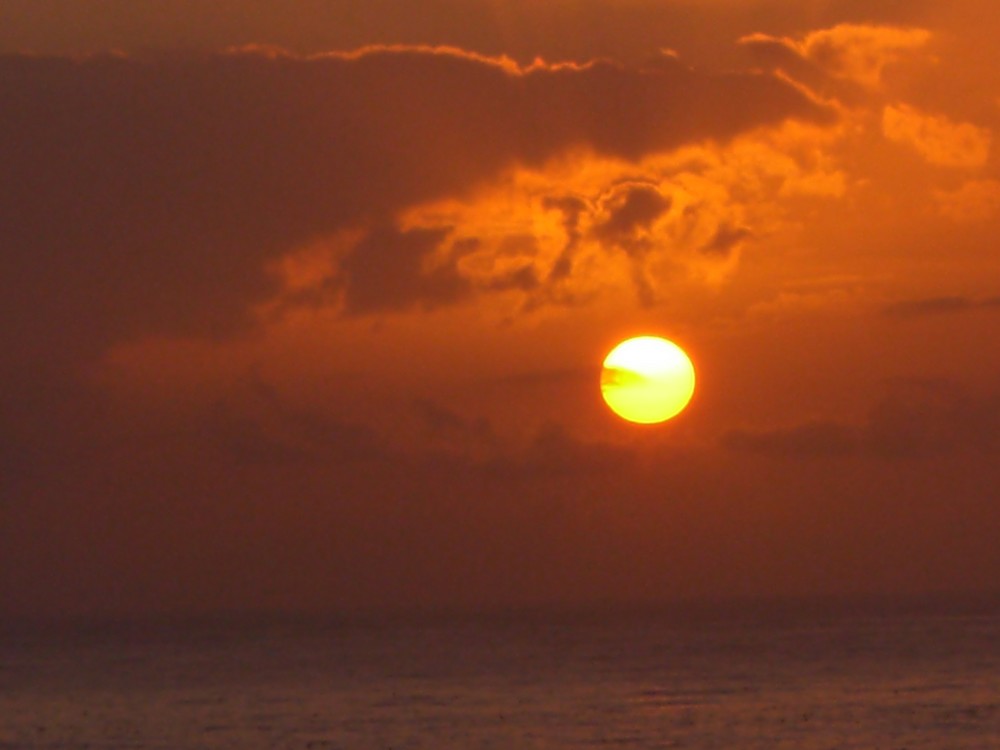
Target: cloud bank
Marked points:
148	197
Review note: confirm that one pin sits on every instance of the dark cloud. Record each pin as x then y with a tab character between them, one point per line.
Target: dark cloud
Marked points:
726	239
554	452
451	427
283	435
812	439
916	419
631	211
846	61
385	272
523	277
631	208
571	207
914	308
144	197
523	29
474	448
923	418
775	54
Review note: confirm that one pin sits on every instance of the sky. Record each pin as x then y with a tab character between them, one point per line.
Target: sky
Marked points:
305	306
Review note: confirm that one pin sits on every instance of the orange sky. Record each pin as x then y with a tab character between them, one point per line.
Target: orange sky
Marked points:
306	308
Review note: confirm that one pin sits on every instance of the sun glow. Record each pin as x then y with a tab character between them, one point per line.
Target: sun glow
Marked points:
647	379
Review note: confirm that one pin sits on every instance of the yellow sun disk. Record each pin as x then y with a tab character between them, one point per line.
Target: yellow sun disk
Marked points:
647	380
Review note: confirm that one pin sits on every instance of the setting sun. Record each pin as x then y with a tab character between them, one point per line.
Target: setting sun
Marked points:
647	379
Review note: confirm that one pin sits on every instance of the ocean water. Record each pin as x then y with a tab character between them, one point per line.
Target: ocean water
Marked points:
726	681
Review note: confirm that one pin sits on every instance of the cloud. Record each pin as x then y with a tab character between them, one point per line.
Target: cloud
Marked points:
521	28
385	271
811	439
861	52
473	446
571	207
726	239
149	197
920	418
630	209
256	425
446	428
974	201
915	308
916	419
936	138
584	228
786	56
855	55
554	452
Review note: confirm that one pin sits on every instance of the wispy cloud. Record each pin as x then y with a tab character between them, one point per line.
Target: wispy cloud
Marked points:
915	308
916	419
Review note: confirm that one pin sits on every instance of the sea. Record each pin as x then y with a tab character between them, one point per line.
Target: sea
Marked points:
735	677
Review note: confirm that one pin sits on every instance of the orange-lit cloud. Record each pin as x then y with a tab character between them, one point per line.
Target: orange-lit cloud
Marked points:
854	53
937	138
583	225
974	201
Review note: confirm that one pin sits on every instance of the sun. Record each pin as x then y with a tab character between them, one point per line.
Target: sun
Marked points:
647	379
